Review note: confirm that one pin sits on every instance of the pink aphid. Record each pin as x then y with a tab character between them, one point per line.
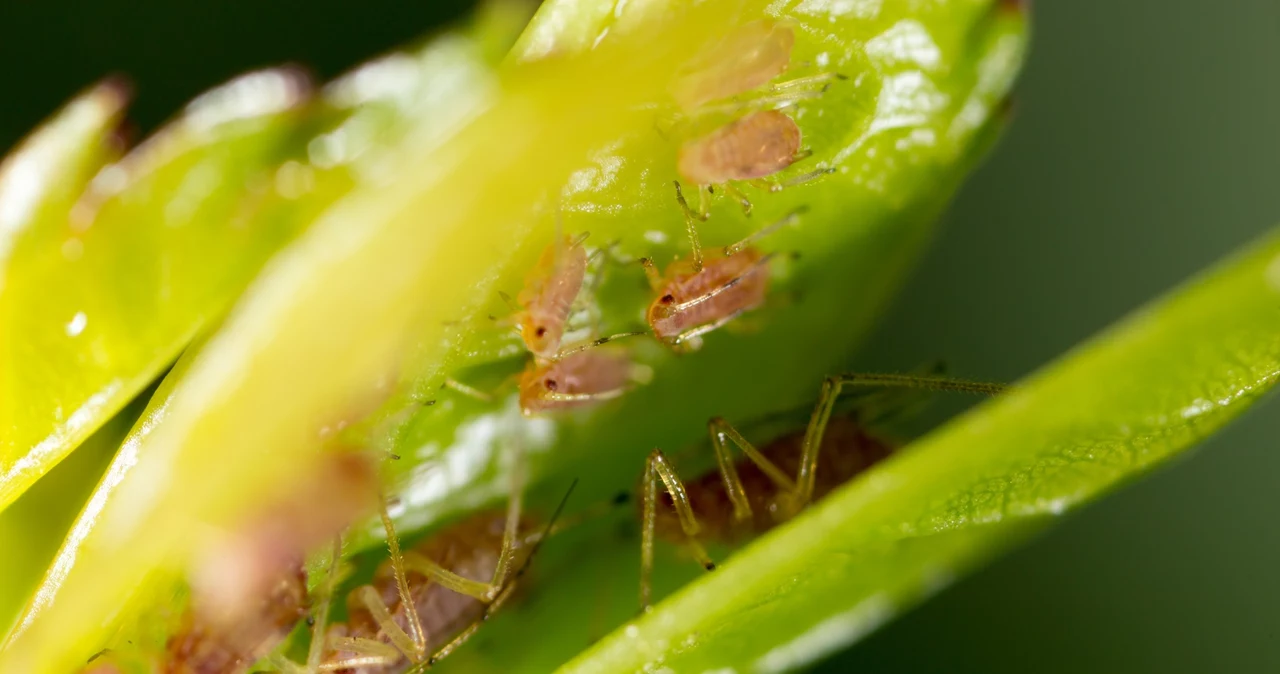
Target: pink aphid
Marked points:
548	295
748	58
581	378
755	146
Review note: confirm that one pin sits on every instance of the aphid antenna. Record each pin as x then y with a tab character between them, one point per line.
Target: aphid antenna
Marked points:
690	216
599	252
597	342
831	389
511	303
591	512
825	79
579	239
547	530
785	221
599	273
772	102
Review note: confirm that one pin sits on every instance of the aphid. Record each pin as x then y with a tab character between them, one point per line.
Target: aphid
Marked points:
425	603
750	57
749	149
574	378
548	295
580	378
770	484
698	295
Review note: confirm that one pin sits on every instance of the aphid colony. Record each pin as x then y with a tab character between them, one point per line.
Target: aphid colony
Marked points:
734	78
423	603
250	591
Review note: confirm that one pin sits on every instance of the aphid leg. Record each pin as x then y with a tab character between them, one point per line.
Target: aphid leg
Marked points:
599	396
819	83
831	388
598	276
485	592
778	186
376	653
585	302
413	645
324	598
601	341
369	653
785	221
722	433
691	339
511	528
656	469
736	193
691	220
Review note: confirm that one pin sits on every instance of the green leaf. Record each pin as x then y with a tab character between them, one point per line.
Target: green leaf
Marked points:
34	525
106	285
1133	397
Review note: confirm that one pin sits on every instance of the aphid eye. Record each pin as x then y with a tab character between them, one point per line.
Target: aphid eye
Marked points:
551	384
668	299
541	331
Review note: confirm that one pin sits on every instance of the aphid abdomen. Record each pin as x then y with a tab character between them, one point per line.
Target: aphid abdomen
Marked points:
750	284
755	146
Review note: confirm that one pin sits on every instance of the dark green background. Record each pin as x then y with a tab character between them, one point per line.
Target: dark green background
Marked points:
1146	145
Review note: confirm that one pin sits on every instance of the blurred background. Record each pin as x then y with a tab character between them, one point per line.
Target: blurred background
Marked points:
1145	146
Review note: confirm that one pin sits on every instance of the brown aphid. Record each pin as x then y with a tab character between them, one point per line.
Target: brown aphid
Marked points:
847	450
748	58
548	295
755	146
580	378
692	302
697	295
771	484
425	603
471	549
749	149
